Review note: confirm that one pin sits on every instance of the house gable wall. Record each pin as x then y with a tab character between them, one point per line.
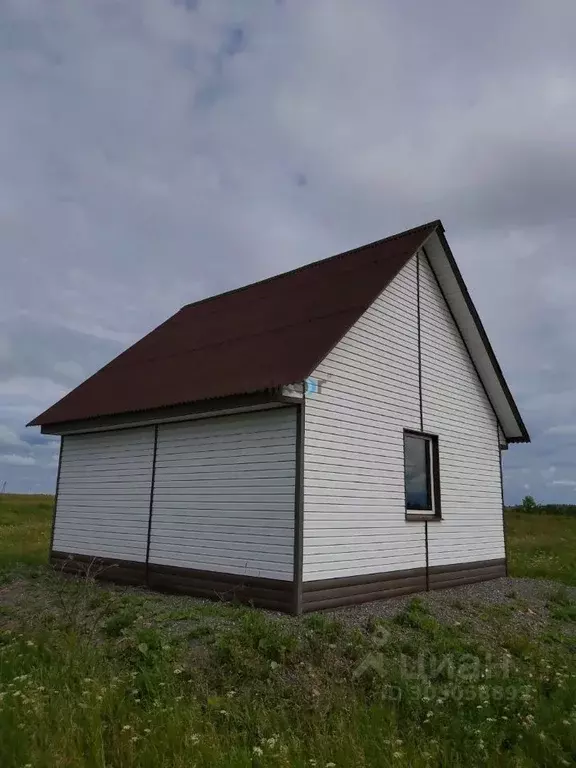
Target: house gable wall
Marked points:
354	515
403	365
456	408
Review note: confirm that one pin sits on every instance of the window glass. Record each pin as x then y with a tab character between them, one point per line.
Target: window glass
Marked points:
417	472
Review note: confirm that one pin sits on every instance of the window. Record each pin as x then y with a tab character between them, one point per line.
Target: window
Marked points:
421	476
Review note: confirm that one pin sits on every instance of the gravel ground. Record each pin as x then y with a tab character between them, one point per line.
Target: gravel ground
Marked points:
523	601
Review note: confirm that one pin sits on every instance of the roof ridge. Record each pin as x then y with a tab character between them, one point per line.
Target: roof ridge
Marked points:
435	223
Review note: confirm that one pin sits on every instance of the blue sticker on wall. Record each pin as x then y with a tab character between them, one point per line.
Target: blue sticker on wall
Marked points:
312	386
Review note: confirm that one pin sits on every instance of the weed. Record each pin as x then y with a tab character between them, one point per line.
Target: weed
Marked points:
200	631
560	596
564	612
85	681
117	624
327	628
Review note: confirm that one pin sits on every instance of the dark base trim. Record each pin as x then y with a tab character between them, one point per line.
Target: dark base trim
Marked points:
333	593
273	594
102	568
443	576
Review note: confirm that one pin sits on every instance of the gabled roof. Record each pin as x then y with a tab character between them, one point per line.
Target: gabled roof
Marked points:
259	337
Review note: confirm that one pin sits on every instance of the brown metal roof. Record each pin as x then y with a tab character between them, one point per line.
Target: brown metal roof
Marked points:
259	337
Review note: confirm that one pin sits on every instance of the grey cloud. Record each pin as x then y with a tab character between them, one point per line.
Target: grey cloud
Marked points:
562	429
189	5
16	460
153	153
40	349
234	41
9	437
33	438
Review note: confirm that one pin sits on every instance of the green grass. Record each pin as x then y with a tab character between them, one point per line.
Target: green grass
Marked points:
542	546
24	529
102	677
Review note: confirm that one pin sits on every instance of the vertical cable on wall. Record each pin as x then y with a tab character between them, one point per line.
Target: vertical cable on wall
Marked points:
419	340
299	505
427	561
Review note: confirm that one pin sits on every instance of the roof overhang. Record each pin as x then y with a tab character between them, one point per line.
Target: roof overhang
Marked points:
474	336
224	406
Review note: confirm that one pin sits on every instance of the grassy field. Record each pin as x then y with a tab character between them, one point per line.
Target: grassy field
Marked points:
542	546
24	529
95	676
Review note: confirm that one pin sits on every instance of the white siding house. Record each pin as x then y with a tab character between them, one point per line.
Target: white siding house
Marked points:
325	437
104	494
354	511
224	494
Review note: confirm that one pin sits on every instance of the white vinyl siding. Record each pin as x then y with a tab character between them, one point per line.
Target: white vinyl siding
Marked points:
104	494
456	408
354	506
224	494
354	499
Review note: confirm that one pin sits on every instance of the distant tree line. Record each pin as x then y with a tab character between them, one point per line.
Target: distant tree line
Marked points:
530	505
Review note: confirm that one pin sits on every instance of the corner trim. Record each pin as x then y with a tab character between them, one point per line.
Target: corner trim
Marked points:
504	531
299	506
151	509
56	497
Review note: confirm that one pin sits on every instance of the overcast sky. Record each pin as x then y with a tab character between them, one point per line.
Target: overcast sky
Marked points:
158	151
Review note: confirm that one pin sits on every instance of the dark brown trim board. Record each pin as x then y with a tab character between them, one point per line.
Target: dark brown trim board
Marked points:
102	568
56	496
274	594
332	593
299	508
442	576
